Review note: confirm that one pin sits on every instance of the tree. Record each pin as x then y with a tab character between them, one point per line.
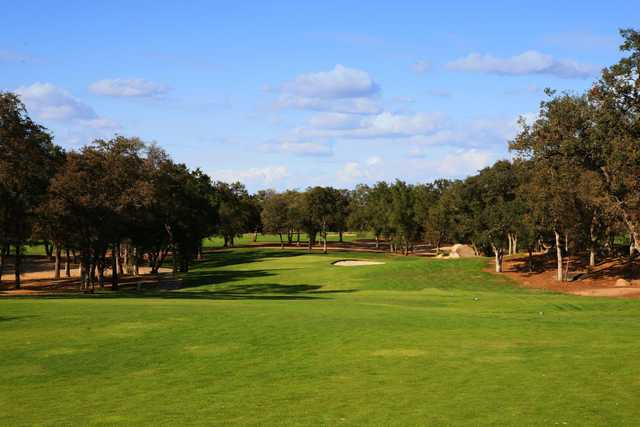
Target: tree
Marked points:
402	217
614	150
563	126
28	159
232	202
319	211
274	214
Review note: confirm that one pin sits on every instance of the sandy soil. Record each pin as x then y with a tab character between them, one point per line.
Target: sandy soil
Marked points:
38	278
600	281
355	263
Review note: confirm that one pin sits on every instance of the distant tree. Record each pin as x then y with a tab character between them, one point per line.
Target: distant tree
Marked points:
378	208
320	205
274	214
340	217
402	217
232	201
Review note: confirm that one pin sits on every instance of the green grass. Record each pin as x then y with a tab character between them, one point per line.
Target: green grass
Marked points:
263	337
247	239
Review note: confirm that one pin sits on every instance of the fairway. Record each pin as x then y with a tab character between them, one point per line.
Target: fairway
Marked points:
269	337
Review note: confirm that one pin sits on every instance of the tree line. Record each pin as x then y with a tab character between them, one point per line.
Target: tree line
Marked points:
572	188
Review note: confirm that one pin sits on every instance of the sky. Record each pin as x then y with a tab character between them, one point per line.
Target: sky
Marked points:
294	94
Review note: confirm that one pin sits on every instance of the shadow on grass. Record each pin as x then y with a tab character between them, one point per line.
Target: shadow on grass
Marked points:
222	258
208	281
10	318
264	291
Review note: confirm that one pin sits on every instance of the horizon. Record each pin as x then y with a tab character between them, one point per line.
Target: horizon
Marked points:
297	95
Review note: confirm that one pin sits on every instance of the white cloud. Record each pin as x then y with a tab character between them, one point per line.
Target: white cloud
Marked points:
480	132
456	164
299	148
340	90
49	102
128	88
334	121
346	106
74	123
353	172
265	176
341	82
421	66
529	62
461	163
374	160
383	125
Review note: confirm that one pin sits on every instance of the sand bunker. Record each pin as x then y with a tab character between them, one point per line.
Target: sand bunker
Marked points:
355	263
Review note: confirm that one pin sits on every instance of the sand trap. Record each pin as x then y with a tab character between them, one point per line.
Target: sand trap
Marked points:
355	263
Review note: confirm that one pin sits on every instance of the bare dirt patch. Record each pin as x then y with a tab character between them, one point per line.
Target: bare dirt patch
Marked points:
355	263
598	281
38	279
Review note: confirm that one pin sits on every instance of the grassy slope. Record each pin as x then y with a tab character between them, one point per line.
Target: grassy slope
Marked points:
270	337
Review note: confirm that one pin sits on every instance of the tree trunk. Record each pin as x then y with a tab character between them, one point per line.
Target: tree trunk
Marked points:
174	259
324	239
510	239
499	256
515	244
340	234
530	259
67	264
114	266
136	262
281	241
120	260
309	243
56	270
3	258
255	236
48	249
559	275
101	273
377	241
82	273
17	265
92	274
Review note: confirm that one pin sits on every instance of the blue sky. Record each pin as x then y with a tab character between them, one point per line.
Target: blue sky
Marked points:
291	94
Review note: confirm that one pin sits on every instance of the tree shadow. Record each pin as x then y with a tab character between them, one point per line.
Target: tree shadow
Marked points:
205	281
226	257
11	318
264	291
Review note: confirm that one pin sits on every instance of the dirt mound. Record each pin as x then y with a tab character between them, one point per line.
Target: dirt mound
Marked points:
355	263
458	251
